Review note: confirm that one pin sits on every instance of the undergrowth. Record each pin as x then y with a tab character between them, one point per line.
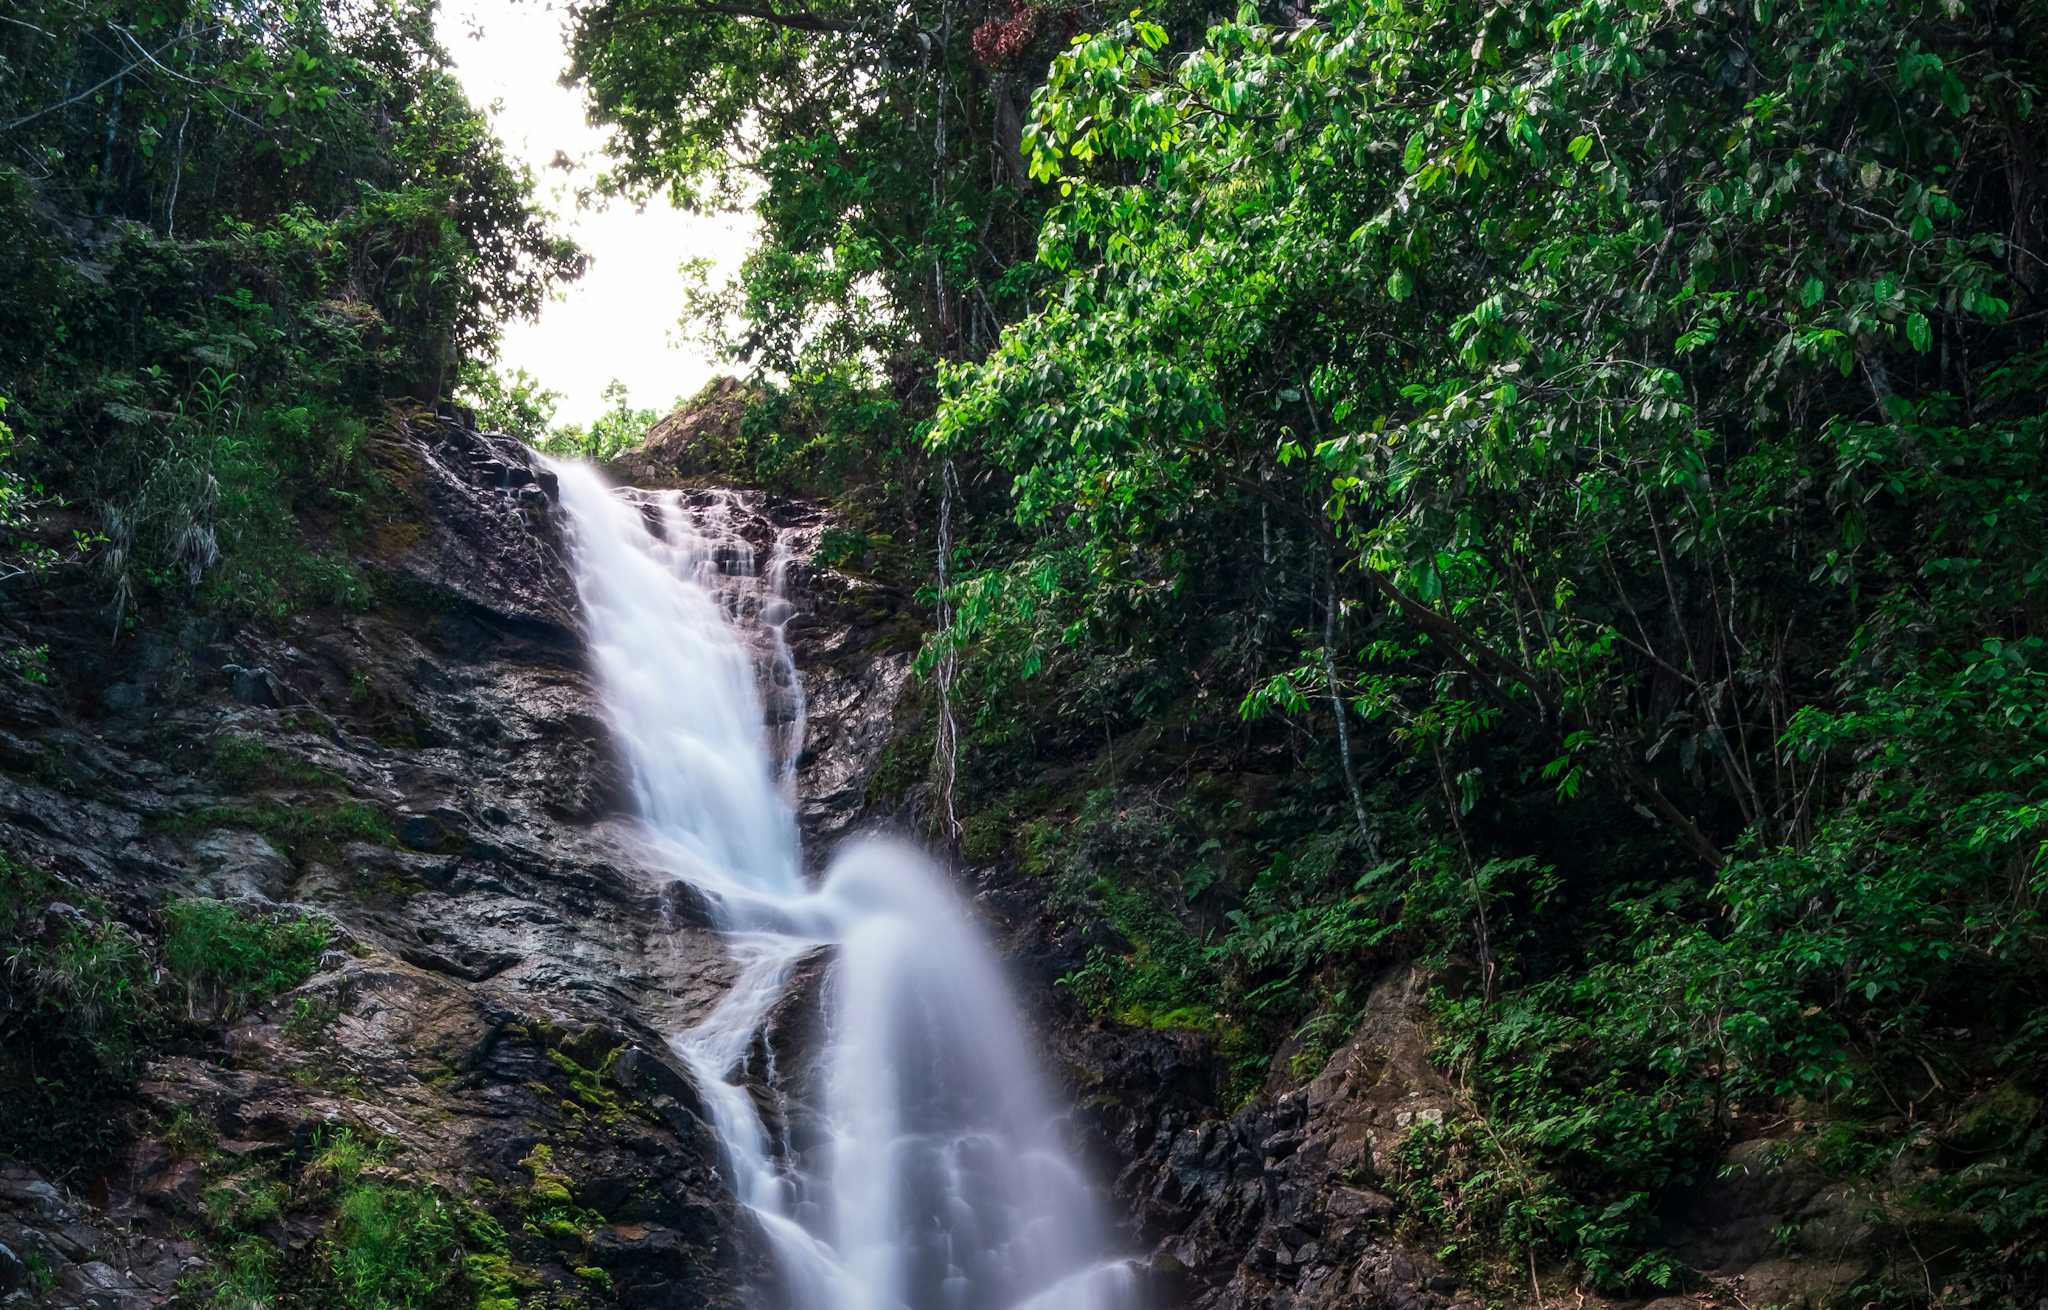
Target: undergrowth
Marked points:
92	994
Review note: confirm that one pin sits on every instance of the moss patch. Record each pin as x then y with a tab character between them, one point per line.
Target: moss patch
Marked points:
549	1205
247	763
304	830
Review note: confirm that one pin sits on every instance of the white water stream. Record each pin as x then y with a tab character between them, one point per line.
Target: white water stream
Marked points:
938	1181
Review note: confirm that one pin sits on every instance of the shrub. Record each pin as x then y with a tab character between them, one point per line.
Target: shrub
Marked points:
392	1248
234	957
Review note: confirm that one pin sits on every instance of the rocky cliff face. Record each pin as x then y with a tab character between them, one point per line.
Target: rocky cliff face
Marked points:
432	776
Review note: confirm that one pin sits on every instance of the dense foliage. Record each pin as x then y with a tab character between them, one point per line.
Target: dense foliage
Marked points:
1614	433
1593	447
89	995
881	152
232	235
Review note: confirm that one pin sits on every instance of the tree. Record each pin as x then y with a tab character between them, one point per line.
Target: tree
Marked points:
1638	415
619	429
235	233
515	404
879	149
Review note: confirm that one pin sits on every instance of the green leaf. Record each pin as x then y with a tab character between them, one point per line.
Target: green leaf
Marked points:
1919	332
1953	97
1411	158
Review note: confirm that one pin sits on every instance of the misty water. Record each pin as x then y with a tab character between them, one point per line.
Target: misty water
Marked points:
936	1179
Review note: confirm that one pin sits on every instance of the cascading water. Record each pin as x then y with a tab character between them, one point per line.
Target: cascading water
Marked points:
939	1181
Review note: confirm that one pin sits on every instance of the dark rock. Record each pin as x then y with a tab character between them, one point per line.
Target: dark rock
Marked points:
662	1088
233	865
59	919
99	1286
1352	1205
421	832
252	686
468	952
125	696
1273	1206
685	444
1756	1185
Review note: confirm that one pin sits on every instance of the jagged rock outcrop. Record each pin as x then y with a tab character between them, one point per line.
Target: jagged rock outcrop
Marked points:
1289	1204
1284	1205
431	774
692	442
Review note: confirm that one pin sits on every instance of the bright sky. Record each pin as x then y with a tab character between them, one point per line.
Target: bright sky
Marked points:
620	320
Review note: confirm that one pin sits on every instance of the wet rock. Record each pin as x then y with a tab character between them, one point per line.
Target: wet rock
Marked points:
99	1286
782	1067
23	1191
81	1255
421	832
254	686
435	780
125	696
231	865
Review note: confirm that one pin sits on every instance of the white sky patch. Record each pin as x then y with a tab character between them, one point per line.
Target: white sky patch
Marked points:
620	319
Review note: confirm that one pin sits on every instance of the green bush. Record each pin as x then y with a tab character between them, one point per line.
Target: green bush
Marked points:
204	358
1639	421
303	829
78	1009
245	1278
392	1248
245	762
88	997
233	957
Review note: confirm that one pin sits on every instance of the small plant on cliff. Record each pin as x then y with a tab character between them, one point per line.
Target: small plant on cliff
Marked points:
246	762
550	1203
391	1248
231	957
78	1007
302	829
244	1278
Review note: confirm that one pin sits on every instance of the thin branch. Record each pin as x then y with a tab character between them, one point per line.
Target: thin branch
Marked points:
72	100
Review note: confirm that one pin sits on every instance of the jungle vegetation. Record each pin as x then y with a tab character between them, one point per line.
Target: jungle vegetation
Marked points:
237	241
1549	491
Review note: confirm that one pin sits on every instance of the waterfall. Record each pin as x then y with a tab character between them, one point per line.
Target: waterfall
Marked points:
935	1178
